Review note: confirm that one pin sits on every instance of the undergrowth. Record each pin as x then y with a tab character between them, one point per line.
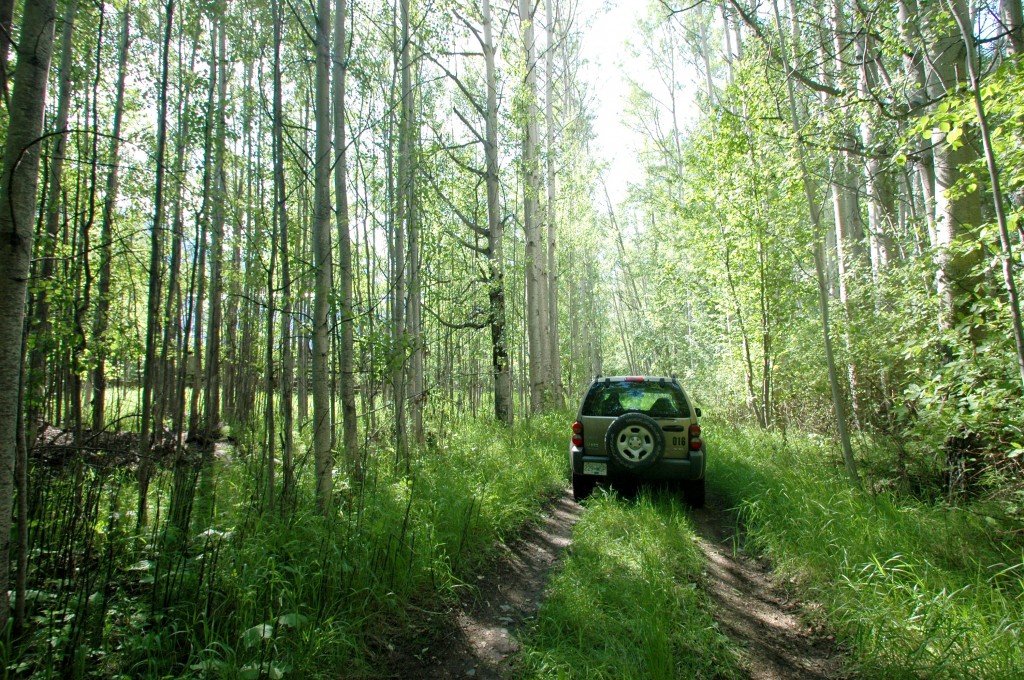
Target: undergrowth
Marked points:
254	594
915	589
627	603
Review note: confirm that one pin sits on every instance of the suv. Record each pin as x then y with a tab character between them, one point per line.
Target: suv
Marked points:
639	428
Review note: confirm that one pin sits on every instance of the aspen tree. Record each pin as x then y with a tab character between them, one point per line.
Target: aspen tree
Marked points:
349	425
42	324
18	185
551	211
216	254
322	265
536	257
101	312
819	264
149	371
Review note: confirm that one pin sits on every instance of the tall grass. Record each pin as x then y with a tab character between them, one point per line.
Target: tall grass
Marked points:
627	603
915	589
250	594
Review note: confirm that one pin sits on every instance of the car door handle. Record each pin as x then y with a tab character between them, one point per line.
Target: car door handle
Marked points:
673	428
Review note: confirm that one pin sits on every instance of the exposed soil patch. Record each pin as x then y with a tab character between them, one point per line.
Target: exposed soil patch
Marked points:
56	448
766	621
476	638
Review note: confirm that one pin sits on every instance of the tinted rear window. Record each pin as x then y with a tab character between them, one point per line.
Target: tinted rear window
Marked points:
658	400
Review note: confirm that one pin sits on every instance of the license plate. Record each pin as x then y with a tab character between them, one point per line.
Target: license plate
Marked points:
595	469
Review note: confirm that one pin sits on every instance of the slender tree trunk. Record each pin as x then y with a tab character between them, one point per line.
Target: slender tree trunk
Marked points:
1013	24
6	31
179	339
1006	256
145	468
83	277
536	257
203	229
496	273
845	188
18	186
170	353
281	223
44	346
175	343
748	364
349	425
914	69
554	363
957	216
882	216
417	388
279	233
414	315
767	407
819	267
409	131
213	326
403	217
322	266
199	274
269	413
99	327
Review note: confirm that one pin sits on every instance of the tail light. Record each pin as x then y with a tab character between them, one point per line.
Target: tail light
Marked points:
577	434
695	441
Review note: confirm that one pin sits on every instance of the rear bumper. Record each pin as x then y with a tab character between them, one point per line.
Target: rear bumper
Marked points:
664	470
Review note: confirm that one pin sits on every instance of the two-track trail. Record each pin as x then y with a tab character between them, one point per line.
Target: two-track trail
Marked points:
477	638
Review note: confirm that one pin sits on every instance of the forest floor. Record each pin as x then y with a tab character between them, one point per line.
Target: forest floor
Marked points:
476	638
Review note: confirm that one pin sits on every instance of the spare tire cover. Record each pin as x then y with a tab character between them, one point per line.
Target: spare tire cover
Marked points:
634	441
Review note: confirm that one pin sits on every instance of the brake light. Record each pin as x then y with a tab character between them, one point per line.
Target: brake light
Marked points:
695	441
634	378
577	434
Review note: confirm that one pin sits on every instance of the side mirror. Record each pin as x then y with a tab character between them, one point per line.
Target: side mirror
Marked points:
697	411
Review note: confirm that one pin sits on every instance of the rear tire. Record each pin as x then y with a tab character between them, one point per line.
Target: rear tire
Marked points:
582	486
693	492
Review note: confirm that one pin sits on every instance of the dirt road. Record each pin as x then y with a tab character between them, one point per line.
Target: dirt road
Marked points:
477	639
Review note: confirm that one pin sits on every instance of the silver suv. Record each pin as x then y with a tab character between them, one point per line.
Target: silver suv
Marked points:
640	428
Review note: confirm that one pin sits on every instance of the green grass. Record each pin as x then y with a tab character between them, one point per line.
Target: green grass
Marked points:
347	584
628	601
249	594
914	589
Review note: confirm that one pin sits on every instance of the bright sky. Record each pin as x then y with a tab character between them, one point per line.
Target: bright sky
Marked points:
605	50
605	47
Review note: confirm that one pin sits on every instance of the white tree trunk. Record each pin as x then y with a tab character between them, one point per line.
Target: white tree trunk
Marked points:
956	216
322	265
499	345
536	258
551	212
18	186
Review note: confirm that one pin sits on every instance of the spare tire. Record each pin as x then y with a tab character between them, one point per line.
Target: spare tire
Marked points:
634	441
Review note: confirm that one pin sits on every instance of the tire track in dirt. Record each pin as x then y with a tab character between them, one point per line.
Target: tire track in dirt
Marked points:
756	612
476	638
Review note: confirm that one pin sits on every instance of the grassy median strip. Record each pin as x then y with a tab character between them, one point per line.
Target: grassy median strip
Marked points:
916	589
628	602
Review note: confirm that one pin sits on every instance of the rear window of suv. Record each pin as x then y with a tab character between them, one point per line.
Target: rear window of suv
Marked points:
656	399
